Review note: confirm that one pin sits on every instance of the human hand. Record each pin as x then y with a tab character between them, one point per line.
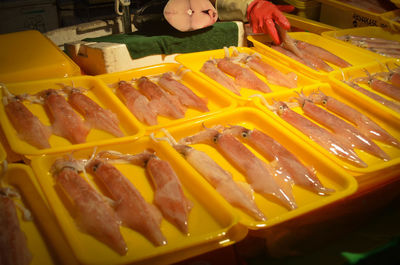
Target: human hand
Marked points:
263	15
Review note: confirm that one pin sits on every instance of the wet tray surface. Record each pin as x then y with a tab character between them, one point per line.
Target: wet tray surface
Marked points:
195	61
216	100
377	114
95	91
329	174
210	226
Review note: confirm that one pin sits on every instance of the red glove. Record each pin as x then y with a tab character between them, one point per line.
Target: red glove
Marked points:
263	15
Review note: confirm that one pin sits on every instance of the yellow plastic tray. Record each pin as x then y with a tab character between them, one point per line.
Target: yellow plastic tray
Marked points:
348	97
336	78
351	15
331	175
389	17
353	56
211	225
308	24
98	92
376	32
29	55
217	100
43	227
195	61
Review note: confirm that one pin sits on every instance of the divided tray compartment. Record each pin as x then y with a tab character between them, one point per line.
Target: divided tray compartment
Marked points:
340	93
330	174
195	61
96	91
211	223
217	101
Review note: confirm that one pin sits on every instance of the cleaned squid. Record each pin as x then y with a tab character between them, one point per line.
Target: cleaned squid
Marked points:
236	193
27	125
364	124
130	207
137	103
323	137
260	175
92	212
273	150
345	131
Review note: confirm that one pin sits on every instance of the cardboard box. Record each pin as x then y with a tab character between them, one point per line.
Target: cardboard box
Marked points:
26	15
341	15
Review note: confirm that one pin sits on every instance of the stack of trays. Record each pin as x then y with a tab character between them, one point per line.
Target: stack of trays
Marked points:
212	221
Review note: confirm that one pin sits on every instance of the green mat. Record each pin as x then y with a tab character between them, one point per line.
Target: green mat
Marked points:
139	45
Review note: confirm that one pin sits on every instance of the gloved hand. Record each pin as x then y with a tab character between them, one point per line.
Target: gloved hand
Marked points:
263	15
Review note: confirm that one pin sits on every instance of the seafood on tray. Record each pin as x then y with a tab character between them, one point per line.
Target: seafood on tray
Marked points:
128	200
96	116
186	96
243	76
71	119
273	75
391	104
363	123
345	132
380	86
308	54
165	95
273	151
27	125
385	47
261	176
13	242
316	133
169	196
161	102
239	70
392	75
92	212
211	70
137	103
239	194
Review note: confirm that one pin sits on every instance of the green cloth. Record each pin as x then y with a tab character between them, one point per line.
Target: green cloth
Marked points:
217	36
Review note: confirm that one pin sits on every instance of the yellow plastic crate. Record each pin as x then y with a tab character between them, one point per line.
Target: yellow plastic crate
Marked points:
351	55
350	15
336	79
331	175
211	222
216	100
195	61
376	113
392	19
29	55
374	32
43	227
97	92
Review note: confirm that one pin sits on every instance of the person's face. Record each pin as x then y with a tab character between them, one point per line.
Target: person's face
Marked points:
188	15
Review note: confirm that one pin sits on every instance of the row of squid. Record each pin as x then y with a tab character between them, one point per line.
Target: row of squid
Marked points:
73	114
343	128
273	179
166	97
387	84
313	56
65	116
390	48
13	244
239	71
